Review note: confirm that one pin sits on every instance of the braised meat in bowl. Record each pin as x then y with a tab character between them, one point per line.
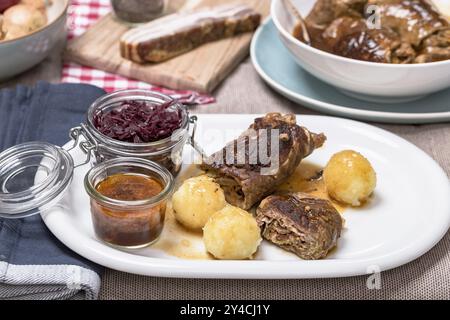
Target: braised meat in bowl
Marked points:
386	31
372	50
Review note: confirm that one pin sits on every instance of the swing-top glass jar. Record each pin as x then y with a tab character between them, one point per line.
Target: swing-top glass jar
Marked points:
128	196
166	151
34	176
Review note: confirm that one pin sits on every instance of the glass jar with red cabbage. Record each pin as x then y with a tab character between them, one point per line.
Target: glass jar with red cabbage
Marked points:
137	123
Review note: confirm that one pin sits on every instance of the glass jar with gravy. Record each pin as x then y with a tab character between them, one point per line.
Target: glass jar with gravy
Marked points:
128	200
129	182
128	196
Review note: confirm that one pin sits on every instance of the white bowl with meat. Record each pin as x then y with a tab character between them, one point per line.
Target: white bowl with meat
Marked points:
396	61
29	30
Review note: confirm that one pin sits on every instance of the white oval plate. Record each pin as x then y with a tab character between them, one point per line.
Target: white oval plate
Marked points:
409	214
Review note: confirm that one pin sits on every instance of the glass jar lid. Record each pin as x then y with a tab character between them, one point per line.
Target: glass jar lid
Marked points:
33	177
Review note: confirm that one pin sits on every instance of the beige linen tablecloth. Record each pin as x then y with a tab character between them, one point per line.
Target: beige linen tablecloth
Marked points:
425	278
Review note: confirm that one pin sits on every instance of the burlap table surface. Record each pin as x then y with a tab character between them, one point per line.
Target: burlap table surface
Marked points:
425	278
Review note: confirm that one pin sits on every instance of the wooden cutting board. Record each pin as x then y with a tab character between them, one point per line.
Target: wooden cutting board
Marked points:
201	69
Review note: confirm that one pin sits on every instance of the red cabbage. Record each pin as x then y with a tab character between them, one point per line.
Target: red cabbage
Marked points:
139	121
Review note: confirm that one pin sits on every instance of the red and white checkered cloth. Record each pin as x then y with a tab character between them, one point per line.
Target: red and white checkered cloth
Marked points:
84	13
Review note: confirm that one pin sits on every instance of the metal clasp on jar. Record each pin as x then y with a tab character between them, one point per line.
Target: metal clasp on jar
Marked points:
193	120
88	146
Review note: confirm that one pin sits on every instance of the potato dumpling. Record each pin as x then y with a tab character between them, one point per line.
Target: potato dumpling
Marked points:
2	33
22	19
232	233
14	32
196	200
37	4
349	177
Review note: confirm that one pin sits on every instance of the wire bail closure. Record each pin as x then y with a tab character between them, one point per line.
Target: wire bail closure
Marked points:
88	146
193	120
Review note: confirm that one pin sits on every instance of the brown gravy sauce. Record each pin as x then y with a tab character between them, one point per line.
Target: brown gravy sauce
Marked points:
297	33
307	179
180	242
176	240
315	37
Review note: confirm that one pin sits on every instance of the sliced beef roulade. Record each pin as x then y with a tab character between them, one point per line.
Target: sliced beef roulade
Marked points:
300	223
244	175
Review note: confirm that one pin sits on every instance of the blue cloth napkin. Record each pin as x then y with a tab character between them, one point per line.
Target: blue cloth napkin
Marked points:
33	263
